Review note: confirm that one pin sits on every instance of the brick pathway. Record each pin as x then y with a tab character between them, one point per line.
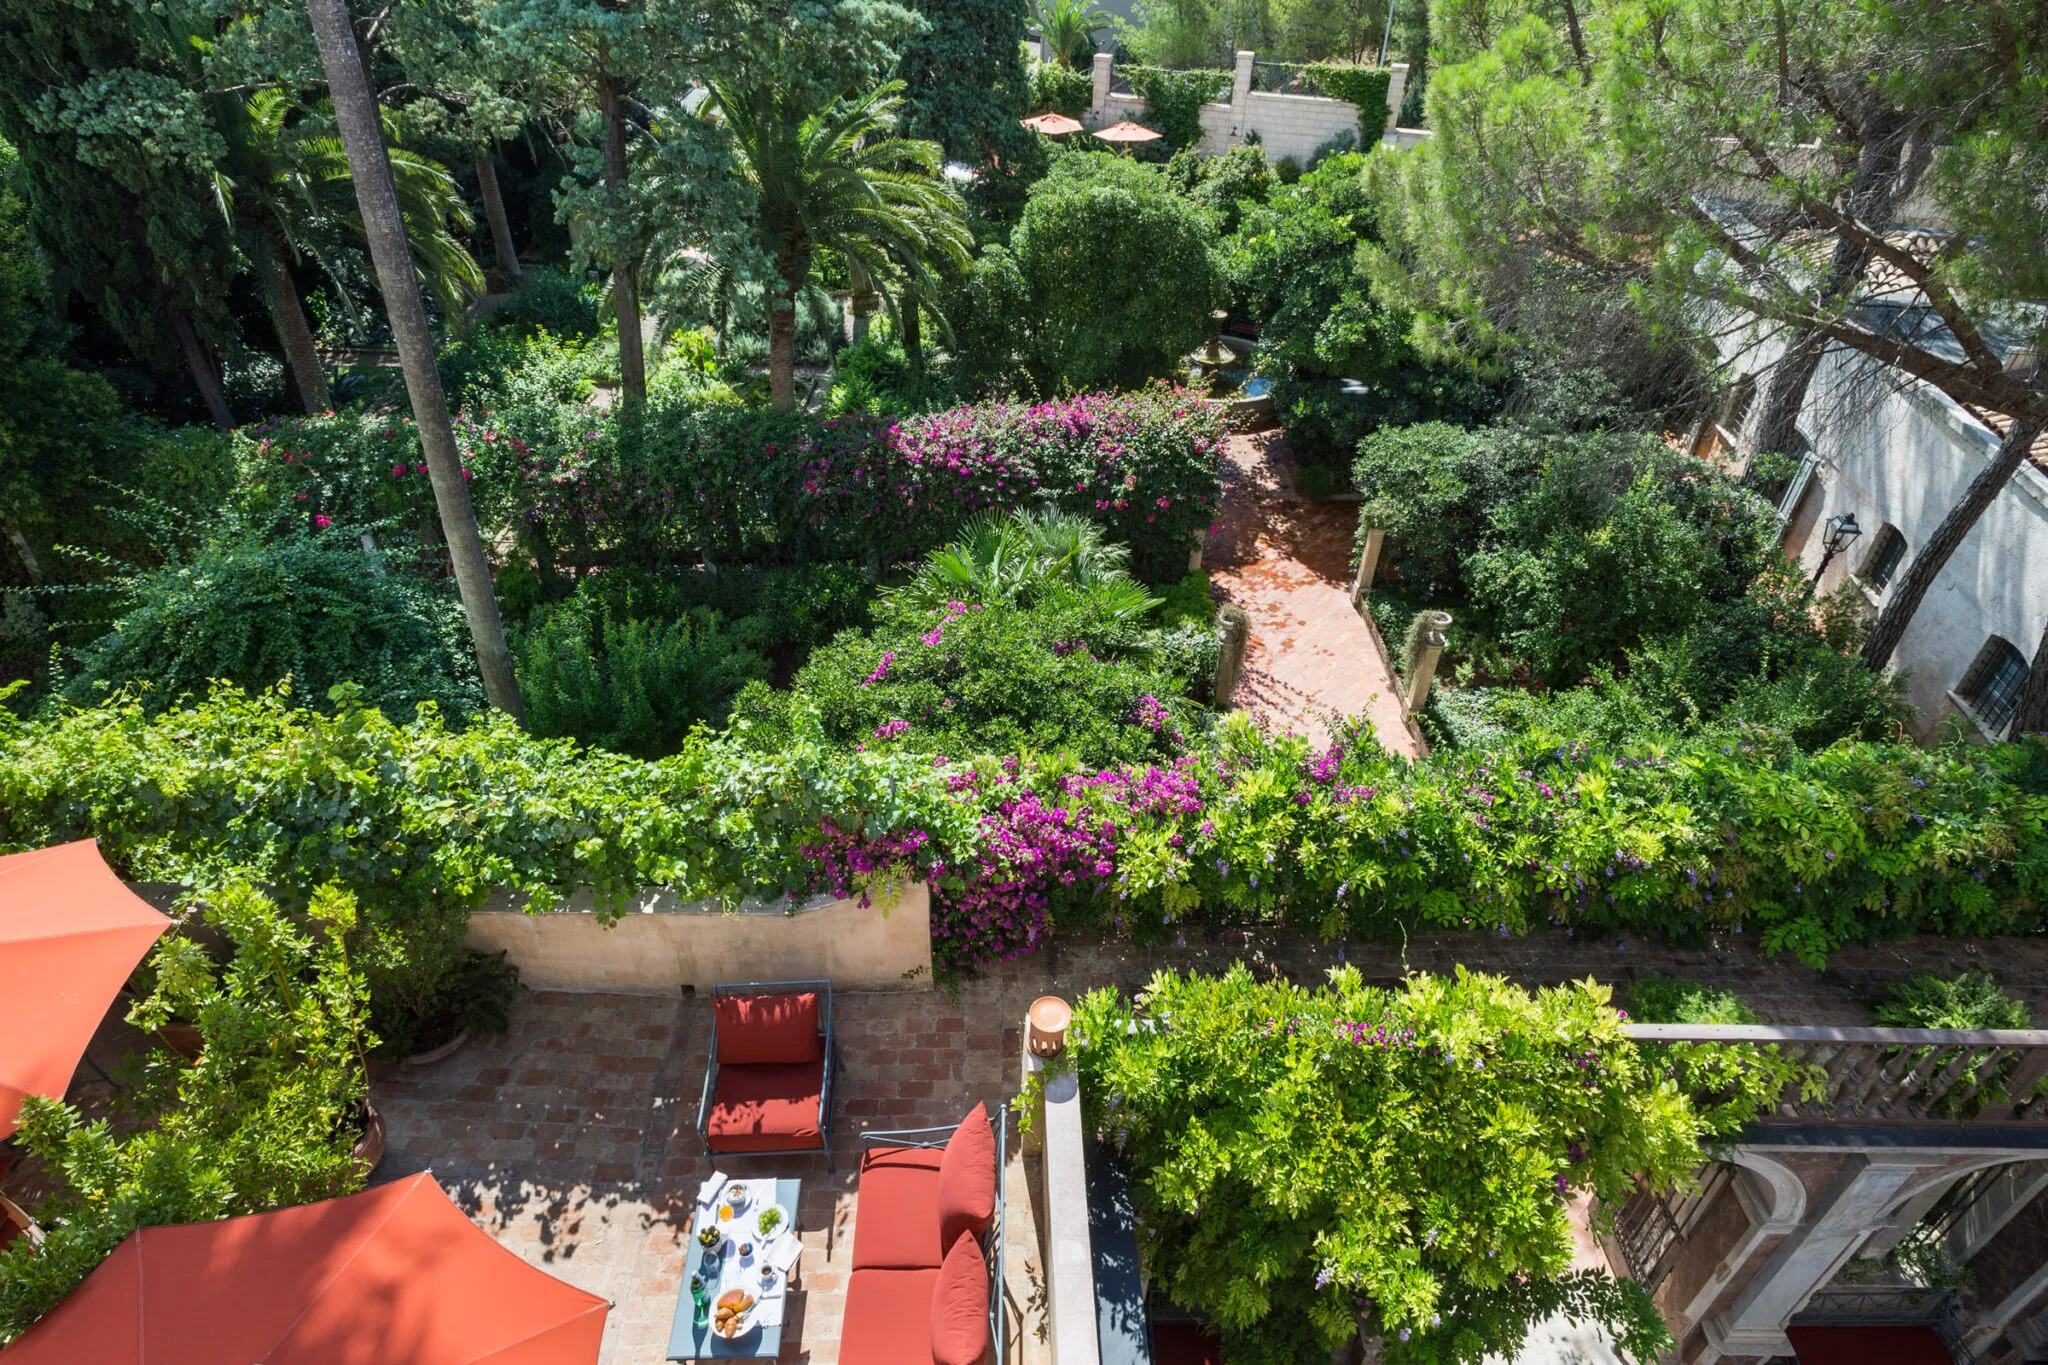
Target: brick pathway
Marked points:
572	1139
1286	561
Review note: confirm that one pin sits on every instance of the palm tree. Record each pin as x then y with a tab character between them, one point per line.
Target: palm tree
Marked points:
285	189
1033	556
384	225
838	178
1069	28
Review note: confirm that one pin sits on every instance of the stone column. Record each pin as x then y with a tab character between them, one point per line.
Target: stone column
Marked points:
1397	90
1099	98
1754	1328
1240	88
1422	669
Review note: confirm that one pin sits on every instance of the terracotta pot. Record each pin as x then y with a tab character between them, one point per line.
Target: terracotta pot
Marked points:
184	1039
432	1055
1046	1025
369	1148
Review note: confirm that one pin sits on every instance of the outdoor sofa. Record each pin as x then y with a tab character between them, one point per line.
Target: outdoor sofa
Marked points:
927	1281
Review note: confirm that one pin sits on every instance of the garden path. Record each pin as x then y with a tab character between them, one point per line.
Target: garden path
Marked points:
1286	561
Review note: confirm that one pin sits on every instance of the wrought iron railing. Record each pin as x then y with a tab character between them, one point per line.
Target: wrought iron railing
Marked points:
1651	1229
1893	1075
1284	78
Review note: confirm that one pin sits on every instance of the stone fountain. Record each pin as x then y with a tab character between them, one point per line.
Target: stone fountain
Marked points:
1220	371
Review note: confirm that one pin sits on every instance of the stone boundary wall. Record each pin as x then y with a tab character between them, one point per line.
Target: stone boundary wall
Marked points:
1286	125
661	944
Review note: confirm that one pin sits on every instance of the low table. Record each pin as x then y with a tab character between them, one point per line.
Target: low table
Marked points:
688	1341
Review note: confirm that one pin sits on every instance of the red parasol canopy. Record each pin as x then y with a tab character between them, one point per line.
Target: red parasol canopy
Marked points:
1127	131
1052	125
394	1274
70	933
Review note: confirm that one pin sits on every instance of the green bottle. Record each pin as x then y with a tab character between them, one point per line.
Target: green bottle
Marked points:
702	1299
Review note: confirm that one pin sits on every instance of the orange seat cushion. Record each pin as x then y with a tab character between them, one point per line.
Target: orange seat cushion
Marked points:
888	1318
766	1029
967	1179
960	1334
896	1223
767	1108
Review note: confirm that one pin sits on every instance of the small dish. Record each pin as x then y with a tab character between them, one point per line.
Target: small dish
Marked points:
771	1220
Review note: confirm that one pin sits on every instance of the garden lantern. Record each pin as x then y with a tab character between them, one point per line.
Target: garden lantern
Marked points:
1841	531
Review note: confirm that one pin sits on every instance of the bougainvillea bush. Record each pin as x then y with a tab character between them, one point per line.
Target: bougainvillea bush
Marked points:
1311	1163
685	482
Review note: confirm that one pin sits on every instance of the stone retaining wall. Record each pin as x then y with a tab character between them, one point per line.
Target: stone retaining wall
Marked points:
662	944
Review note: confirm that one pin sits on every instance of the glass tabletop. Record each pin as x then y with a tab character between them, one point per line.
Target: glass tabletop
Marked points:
687	1340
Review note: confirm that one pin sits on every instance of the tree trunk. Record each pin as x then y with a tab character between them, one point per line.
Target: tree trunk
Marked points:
625	270
862	307
782	354
494	211
383	224
205	378
913	335
1931	557
2032	716
288	311
1881	174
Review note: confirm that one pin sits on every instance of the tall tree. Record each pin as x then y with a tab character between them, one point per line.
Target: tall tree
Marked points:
602	51
836	177
119	154
964	83
384	225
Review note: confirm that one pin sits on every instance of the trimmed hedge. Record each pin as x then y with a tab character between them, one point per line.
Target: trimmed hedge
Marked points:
1365	87
1857	843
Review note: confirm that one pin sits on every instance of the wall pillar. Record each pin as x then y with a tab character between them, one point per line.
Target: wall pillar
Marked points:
1856	1206
1099	96
1397	90
1240	90
1368	564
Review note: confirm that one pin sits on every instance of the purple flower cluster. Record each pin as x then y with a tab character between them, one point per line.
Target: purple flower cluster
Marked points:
844	861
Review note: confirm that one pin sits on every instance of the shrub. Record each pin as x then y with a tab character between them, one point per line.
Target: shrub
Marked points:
1620	539
1061	89
316	609
970	680
550	299
1117	274
263	1119
1310	1163
1969	1001
1675	1000
627	674
1430	487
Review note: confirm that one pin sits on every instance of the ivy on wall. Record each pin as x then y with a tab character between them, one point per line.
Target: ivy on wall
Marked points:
1175	99
1363	86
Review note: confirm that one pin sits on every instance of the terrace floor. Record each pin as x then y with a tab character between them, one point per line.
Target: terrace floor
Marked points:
572	1139
1287	562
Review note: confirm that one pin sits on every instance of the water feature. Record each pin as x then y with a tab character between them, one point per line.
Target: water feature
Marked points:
1220	369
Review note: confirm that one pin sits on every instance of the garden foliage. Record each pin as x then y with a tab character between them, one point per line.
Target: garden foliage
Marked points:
1859	842
1310	1162
264	1118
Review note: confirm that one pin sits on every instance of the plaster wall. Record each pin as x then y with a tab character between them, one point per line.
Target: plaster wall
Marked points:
661	944
1286	125
1894	451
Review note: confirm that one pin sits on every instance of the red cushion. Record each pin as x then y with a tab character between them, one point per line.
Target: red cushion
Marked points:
896	1221
967	1178
888	1319
767	1108
768	1028
960	1333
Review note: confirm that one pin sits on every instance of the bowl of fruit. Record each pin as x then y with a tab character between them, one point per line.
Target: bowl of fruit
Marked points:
733	1315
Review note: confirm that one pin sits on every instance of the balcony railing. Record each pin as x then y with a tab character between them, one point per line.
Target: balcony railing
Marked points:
1894	1075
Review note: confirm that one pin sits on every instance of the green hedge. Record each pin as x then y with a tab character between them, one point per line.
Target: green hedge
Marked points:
1857	843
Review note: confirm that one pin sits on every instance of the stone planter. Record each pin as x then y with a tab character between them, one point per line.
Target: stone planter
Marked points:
369	1148
432	1055
183	1039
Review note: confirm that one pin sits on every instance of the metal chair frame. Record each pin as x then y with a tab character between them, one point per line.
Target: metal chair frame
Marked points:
992	1240
730	990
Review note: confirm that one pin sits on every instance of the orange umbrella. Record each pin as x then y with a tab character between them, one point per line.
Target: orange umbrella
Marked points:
70	933
394	1274
1052	125
1127	131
